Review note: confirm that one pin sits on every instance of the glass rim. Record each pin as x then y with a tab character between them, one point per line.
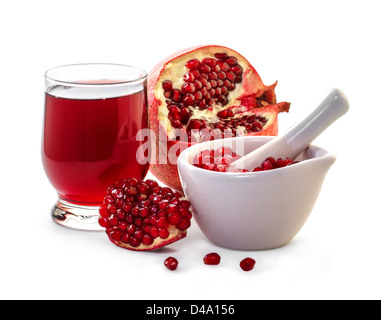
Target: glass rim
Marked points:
115	82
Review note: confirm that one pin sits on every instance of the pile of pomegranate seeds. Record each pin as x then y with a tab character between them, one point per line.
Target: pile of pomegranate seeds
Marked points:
216	160
219	160
206	84
141	215
270	163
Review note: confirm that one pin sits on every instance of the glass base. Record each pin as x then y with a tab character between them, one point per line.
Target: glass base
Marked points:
76	216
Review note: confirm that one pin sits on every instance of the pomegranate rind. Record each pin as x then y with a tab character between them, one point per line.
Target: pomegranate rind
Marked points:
173	67
174	235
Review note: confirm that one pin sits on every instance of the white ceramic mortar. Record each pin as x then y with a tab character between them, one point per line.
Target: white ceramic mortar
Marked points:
254	210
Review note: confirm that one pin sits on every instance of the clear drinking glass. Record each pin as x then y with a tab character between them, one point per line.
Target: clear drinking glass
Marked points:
93	113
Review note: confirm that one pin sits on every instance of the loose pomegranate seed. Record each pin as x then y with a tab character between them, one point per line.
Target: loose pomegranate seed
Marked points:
212	258
247	264
171	263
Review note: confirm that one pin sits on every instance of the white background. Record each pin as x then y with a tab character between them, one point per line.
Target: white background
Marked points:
309	47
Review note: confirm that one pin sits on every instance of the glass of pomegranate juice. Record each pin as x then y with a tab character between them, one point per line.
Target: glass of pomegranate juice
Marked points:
93	113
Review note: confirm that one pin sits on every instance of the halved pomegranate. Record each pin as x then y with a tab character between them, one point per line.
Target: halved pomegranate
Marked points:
202	93
140	215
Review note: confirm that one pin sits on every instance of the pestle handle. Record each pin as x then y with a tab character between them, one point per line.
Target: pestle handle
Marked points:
329	110
300	136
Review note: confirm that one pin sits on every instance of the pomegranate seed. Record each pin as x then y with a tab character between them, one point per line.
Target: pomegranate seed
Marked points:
134	242
198	84
220	168
103	222
222	75
147	239
115	235
216	68
237	70
287	162
230	76
224	66
266	165
212	258
198	95
154	232
174	218
163	233
176	123
195	72
280	162
185	204
167	85
192	64
232	61
189	77
174	110
271	160
138	234
171	263
204	68
196	124
188	99
209	61
247	264
125	238
188	87
162	222
213	76
223	114
221	56
176	97
209	166
184	223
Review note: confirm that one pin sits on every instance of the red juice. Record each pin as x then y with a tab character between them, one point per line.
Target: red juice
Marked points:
89	144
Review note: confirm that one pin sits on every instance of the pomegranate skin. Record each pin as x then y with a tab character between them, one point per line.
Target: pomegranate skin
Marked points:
247	97
156	245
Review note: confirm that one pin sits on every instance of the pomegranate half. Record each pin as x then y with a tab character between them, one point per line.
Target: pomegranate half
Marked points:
204	93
